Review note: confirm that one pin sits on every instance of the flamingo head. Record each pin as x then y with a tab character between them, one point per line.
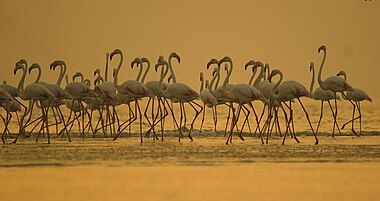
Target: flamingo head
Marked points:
160	63
33	66
97	71
323	47
212	61
145	60
59	63
160	58
17	67
116	51
175	55
136	61
225	59
77	74
52	65
342	73
273	73
250	63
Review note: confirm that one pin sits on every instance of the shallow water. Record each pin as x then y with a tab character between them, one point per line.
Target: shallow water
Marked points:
341	168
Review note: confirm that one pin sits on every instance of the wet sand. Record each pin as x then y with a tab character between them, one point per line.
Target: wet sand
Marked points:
341	168
256	181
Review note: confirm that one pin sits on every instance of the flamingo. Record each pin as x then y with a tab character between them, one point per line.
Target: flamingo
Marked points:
5	99
34	93
241	94
358	95
179	92
322	95
287	91
154	86
218	92
80	92
334	83
132	89
264	88
14	105
208	99
59	93
108	94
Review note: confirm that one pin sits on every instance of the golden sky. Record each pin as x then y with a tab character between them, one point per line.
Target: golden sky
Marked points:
286	34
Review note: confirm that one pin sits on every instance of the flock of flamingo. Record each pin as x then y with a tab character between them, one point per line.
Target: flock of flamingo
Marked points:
82	101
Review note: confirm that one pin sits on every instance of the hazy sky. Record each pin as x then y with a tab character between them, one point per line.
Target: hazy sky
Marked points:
286	34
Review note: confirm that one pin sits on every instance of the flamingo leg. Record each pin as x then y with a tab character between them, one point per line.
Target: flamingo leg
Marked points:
147	135
246	113
195	117
140	118
216	119
360	117
267	122
203	118
175	121
228	118
233	121
332	112
261	117
320	118
353	113
308	119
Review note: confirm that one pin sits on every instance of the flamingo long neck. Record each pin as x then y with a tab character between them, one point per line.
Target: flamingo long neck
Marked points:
320	81
20	86
117	70
163	75
275	87
202	83
106	70
211	84
261	76
217	79
140	71
38	75
312	79
172	71
229	72
146	72
62	74
252	76
266	69
207	84
67	79
59	80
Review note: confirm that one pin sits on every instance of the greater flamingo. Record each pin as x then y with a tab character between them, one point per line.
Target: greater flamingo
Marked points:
358	95
208	99
132	89
334	83
322	95
287	91
179	92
